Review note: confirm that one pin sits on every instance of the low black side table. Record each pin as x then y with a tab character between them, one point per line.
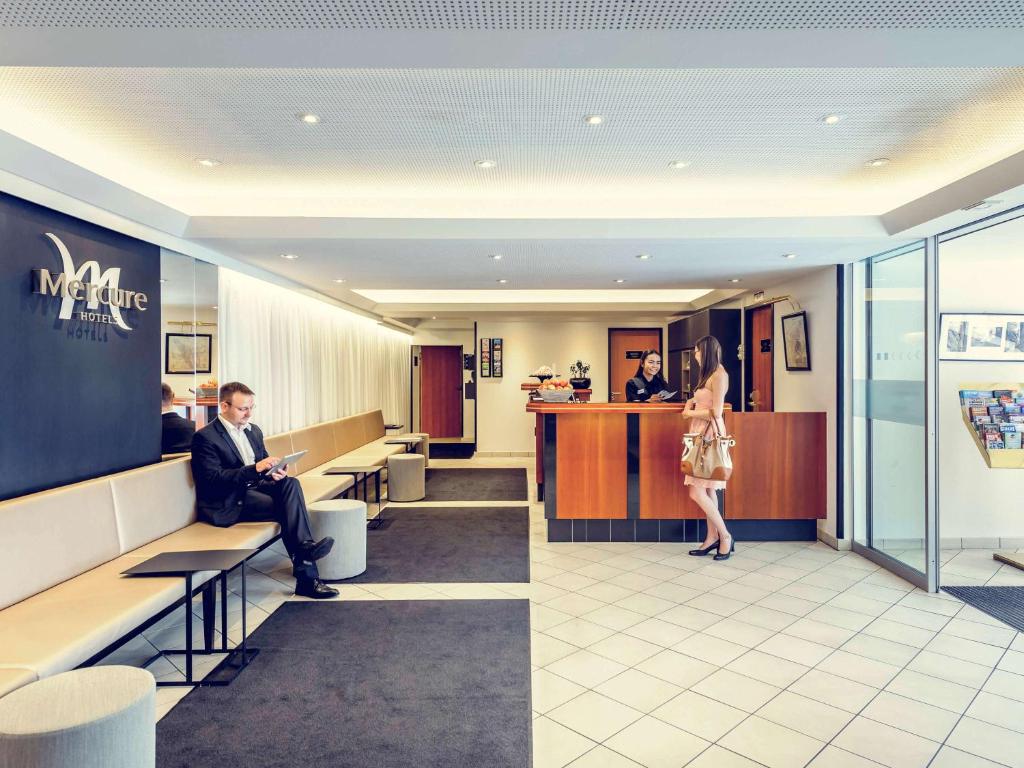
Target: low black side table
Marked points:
408	442
187	564
363	474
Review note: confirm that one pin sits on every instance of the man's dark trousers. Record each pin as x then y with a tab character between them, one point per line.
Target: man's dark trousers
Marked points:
282	502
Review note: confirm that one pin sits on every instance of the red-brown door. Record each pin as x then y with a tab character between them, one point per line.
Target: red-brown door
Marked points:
624	348
762	359
441	391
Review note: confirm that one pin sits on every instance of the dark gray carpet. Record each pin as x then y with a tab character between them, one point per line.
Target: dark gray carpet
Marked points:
1003	603
368	684
447	544
476	485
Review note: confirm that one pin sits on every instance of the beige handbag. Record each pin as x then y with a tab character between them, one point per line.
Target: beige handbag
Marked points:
707	458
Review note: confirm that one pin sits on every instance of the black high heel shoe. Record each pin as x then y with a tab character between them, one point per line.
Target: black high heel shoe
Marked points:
732	548
705	551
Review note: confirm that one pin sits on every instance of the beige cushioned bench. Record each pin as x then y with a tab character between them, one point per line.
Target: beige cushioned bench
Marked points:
62	598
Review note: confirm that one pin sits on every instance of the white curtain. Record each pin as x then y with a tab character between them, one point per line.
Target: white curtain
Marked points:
306	360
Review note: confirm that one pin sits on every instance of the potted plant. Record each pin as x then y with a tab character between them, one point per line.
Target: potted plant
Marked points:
579	371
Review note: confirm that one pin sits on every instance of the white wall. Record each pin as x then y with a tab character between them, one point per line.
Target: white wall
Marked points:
446	333
505	426
977	273
813	390
182	383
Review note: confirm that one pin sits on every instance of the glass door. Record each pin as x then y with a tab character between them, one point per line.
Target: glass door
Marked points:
890	415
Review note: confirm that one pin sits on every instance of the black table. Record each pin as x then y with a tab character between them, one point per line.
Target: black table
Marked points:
187	564
408	442
393	426
365	473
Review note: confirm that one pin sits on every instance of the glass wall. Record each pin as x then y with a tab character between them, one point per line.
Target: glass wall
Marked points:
890	415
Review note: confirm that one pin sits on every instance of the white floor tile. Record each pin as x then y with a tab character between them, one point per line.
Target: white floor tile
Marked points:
1006	684
909	715
659	632
946	668
932	690
948	757
550	690
818	632
595	716
711	649
833	757
809	717
989	741
853	667
795	649
879	649
1000	636
574	604
885	744
899	633
605	592
968	650
771	744
998	710
601	757
739	632
766	618
717	757
545	649
625	649
614	617
690	617
768	669
639	690
704	717
579	632
833	690
787	604
586	669
656	744
676	668
736	690
555	746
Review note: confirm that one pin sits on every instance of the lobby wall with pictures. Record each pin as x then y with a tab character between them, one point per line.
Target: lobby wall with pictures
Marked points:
980	348
492	358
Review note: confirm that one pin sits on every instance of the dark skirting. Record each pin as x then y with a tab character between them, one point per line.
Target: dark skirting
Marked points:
476	485
368	683
448	544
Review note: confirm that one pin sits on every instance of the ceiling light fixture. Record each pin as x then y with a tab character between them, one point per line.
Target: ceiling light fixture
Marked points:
593	119
832	119
789	255
644	256
679	164
309	118
290	256
502	280
485	163
163	280
496	256
214	307
878	162
734	280
433	317
619	280
339	280
208	162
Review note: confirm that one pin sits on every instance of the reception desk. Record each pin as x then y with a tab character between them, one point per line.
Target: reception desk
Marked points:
610	472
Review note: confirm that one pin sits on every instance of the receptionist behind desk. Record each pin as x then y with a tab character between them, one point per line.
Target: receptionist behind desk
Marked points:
646	385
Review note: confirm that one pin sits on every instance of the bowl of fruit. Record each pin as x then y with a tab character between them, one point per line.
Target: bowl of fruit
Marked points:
555	391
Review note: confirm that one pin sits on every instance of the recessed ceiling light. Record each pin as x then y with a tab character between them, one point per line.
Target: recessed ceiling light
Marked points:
163	280
593	119
678	164
208	162
832	119
981	205
878	162
433	317
734	280
619	280
485	163
214	307
309	118
496	256
502	280
789	255
643	256
290	256
339	279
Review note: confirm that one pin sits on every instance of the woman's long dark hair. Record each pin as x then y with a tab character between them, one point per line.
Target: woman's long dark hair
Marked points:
643	359
710	357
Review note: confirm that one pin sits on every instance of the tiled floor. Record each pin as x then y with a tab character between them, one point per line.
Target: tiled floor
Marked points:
791	654
966	567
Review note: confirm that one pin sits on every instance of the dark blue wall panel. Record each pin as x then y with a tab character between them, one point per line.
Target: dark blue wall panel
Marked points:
80	398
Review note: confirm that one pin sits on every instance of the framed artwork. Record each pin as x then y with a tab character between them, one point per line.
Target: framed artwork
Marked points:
485	358
981	337
794	342
496	350
187	352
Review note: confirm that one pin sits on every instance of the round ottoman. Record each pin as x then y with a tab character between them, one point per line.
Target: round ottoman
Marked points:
406	473
345	521
423	447
97	717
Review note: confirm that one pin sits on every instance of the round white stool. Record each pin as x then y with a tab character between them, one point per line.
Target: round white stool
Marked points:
97	717
406	473
345	521
422	447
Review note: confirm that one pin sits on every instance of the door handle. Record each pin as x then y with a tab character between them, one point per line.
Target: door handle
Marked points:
616	393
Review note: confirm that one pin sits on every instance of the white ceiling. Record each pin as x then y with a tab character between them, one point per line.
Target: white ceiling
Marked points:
384	191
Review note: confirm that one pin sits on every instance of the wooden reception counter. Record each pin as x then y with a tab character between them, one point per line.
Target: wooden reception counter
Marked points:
610	472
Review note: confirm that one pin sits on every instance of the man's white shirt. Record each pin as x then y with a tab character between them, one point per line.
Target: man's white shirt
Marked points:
241	442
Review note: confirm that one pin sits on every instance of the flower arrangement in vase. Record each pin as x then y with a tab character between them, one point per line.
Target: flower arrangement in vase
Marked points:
579	371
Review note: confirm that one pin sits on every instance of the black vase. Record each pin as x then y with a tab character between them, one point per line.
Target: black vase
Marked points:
580	383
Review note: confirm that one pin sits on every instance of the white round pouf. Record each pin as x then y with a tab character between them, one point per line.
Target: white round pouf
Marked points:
406	477
422	447
345	521
97	717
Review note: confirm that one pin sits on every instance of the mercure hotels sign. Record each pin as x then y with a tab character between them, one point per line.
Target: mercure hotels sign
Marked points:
90	284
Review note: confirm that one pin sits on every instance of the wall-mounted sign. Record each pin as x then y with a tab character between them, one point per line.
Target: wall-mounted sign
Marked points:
485	358
634	354
89	284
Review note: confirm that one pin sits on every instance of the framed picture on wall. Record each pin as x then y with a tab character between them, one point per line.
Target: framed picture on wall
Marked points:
794	342
188	352
981	337
485	358
496	350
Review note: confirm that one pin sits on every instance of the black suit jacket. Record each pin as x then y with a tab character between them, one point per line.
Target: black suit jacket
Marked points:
176	433
220	476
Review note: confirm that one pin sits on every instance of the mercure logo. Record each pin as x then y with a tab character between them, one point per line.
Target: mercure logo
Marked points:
90	284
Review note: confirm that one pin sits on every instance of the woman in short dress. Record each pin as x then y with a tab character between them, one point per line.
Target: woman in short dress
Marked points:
707	403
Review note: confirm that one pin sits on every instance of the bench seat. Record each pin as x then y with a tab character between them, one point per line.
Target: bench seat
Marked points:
15	677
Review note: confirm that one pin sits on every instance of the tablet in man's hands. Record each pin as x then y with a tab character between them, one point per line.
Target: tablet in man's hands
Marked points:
285	461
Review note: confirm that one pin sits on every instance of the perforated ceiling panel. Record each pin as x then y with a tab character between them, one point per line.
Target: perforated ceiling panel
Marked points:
404	142
514	14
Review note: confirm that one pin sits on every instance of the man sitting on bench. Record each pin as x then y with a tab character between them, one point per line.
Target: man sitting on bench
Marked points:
229	465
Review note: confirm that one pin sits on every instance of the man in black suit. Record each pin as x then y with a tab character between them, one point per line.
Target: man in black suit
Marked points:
229	465
176	434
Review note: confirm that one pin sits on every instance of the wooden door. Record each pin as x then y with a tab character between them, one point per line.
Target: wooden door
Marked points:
624	348
762	358
441	391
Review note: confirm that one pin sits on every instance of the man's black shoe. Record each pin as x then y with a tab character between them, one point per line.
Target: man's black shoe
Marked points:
315	589
311	551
